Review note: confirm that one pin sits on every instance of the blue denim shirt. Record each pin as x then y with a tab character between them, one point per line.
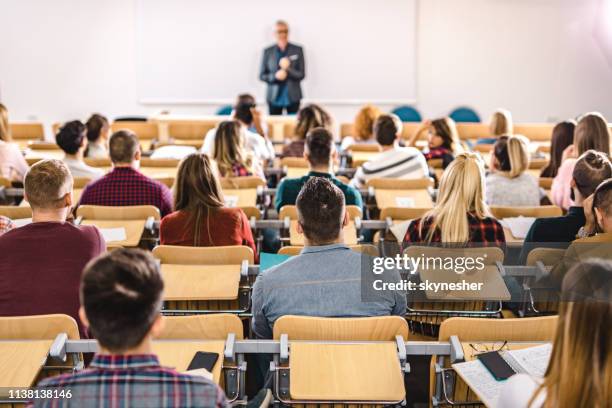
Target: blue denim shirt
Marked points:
323	281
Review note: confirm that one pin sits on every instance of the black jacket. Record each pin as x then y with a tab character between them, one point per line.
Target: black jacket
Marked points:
295	73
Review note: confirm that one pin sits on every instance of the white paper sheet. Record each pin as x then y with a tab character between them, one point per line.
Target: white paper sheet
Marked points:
480	380
532	360
399	230
113	234
405	202
231	200
519	226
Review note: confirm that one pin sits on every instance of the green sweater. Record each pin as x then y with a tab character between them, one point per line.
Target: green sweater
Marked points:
288	190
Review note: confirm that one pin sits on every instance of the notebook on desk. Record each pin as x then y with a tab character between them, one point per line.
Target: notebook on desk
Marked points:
518	226
531	360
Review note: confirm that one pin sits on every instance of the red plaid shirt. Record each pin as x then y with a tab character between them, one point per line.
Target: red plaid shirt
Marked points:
131	381
126	186
5	224
487	231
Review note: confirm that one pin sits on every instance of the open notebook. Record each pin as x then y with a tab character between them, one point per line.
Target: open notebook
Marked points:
531	360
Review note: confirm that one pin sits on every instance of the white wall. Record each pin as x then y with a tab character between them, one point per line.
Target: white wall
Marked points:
64	59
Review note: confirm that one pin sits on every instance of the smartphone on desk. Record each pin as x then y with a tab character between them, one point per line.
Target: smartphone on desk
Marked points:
497	366
204	360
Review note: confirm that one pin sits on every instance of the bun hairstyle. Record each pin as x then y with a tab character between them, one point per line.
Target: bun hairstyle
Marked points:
95	124
512	155
501	123
591	169
602	198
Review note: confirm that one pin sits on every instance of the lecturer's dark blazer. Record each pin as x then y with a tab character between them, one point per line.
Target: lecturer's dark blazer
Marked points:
295	73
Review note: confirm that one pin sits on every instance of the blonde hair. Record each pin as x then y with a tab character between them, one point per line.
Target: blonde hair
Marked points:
5	131
363	127
512	155
579	373
47	183
501	123
461	193
229	149
592	133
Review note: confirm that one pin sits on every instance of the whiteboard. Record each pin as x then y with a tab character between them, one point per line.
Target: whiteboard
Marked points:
208	51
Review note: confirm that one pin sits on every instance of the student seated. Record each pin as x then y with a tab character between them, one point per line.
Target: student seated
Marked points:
98	132
460	215
231	158
41	265
500	125
13	165
591	133
562	137
508	184
201	217
442	140
255	140
591	169
325	279
309	117
320	152
579	371
363	127
124	184
5	224
121	298
72	139
394	161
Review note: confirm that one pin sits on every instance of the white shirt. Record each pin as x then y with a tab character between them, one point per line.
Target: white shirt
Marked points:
173	152
13	165
399	163
517	392
80	169
96	151
256	144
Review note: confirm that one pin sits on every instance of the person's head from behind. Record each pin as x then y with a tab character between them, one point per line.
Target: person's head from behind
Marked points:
443	134
501	123
281	32
121	299
5	133
562	137
243	110
387	129
48	188
602	206
319	149
590	170
98	128
124	149
579	373
310	117
229	149
363	127
511	155
461	192
592	133
72	137
321	212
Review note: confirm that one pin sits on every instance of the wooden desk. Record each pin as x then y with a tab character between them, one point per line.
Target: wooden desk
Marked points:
394	198
347	372
296	172
493	287
350	234
246	197
200	282
159	172
178	354
21	362
358	158
45	154
133	230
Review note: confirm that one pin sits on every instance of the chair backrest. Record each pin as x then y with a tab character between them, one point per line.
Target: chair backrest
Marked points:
407	114
291	212
400	184
539	212
218	255
368	249
147	162
143	129
545	182
534	131
16	213
4	182
464	114
401	213
27	130
242	182
251	212
191	129
43	145
383	328
490	255
475	329
364	147
39	327
80	182
202	327
294	162
548	256
225	110
473	130
95	162
130	212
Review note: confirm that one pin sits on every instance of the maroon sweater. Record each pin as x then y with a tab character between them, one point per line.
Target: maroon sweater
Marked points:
41	265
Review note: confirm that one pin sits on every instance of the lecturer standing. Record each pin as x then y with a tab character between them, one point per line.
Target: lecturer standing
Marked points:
283	68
